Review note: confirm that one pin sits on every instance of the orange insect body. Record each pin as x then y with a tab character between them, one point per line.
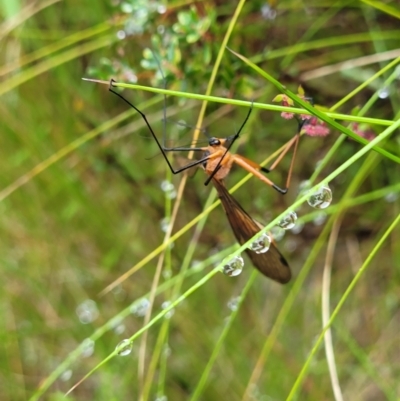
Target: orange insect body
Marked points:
221	159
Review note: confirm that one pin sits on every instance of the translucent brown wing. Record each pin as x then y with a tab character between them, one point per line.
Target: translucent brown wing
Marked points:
272	264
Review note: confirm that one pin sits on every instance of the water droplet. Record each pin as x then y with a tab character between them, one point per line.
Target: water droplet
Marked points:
164	223
167	186
139	308
124	347
254	391
298	228
169	189
115	321
171	312
196	264
233	267
119	293
277	233
233	303
289	221
120	328
171	194
126	8
267	12
321	198
121	34
383	93
87	347
167	274
87	311
317	164
261	244
161	8
320	218
161	29
142	14
166	350
65	376
391	197
130	76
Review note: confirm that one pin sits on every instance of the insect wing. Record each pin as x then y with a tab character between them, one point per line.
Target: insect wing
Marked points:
272	264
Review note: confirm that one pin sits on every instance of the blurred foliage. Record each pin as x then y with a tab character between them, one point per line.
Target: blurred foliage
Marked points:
83	199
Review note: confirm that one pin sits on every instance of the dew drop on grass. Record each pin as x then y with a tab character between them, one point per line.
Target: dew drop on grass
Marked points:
288	221
261	244
164	223
126	8
87	347
119	329
124	347
233	267
167	274
119	293
169	189
139	308
196	264
383	93
66	375
391	197
321	198
298	228
87	311
267	12
171	312
319	218
166	350
233	303
121	34
166	186
171	194
277	233
161	9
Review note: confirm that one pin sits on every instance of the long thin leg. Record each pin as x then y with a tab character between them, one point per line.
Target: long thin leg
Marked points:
165	148
296	144
218	166
255	171
195	163
294	141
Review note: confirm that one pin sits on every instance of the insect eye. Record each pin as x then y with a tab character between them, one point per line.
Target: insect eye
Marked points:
214	142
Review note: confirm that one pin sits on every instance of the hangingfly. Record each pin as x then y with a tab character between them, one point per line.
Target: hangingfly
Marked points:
217	162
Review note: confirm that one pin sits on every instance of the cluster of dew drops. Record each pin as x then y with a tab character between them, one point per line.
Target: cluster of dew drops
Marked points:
319	199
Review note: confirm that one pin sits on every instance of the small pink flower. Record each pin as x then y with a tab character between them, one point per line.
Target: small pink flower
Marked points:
287	116
287	102
314	127
363	131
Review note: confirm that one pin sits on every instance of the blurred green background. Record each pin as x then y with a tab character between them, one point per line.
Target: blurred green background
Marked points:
82	202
